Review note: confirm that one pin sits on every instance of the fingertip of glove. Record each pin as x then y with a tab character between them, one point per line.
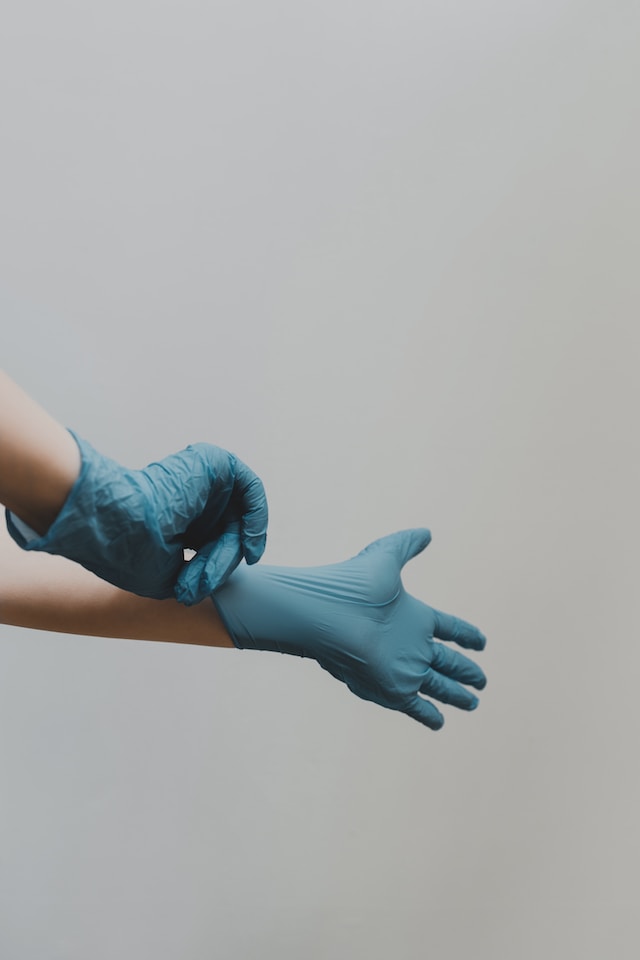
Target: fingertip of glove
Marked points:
253	552
183	596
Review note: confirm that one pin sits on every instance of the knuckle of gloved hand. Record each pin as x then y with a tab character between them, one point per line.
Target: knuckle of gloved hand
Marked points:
214	460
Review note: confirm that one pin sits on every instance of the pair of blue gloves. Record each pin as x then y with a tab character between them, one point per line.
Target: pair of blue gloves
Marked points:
355	618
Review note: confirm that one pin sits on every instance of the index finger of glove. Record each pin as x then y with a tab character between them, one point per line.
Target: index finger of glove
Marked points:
458	631
254	512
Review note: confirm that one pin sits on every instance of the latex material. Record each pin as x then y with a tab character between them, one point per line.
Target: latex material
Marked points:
130	527
357	620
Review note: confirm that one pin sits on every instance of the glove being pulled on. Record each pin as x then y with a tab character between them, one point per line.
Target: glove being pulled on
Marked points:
357	620
130	527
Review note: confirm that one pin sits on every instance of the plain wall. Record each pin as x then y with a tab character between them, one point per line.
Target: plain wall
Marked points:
387	253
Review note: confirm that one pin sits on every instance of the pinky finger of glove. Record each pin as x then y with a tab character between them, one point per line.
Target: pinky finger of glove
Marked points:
209	569
424	712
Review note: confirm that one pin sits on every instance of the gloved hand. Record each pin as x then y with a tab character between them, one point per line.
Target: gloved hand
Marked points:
356	619
130	527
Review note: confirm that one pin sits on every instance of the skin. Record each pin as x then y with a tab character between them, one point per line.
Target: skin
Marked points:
40	460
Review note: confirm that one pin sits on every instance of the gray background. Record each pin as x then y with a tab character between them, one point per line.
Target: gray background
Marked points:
387	253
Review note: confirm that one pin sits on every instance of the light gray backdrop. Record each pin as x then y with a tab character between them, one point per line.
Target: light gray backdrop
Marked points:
387	253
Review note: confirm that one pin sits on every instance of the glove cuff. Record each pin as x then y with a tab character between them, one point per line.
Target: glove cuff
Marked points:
256	609
54	540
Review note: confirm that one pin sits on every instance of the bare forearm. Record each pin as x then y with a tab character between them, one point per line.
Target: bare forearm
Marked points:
39	459
51	593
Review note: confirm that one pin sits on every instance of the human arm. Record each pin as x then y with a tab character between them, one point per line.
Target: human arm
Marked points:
130	527
354	618
40	459
46	592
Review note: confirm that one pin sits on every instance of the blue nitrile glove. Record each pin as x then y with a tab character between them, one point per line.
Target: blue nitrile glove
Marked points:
130	527
356	619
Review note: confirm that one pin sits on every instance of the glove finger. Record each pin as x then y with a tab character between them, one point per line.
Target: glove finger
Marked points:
448	691
424	712
458	631
188	584
209	569
254	510
403	545
455	665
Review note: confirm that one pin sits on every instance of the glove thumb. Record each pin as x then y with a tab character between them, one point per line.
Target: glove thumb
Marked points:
209	569
402	545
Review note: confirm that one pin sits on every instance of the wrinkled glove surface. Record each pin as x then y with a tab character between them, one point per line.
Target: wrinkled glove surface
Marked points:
130	527
357	620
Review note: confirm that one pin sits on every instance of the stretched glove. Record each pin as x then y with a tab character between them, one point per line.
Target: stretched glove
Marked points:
356	619
130	527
